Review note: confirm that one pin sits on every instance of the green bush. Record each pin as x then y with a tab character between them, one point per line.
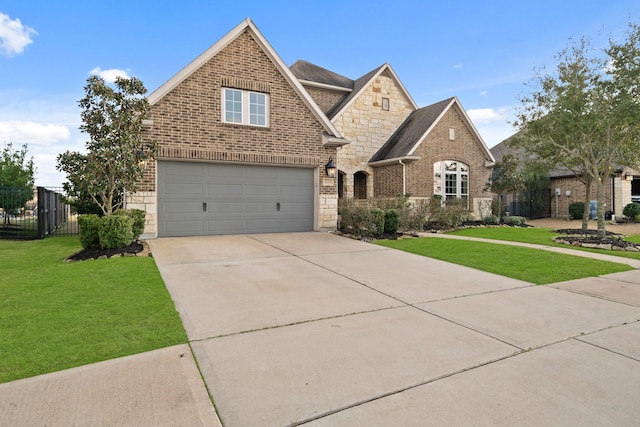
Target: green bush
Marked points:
88	227
115	231
139	220
576	210
631	211
377	216
515	220
453	214
491	220
391	221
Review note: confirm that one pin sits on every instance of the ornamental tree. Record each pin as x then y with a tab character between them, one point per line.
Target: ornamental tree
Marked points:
583	117
116	151
16	179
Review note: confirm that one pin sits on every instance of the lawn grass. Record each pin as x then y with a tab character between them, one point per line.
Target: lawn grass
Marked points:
531	265
57	315
542	236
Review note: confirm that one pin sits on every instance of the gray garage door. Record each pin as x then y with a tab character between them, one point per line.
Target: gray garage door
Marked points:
204	199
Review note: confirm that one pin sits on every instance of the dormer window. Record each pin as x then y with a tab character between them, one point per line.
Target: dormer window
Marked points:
245	107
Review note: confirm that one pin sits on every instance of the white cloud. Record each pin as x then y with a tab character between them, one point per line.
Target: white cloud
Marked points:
487	115
30	132
14	37
483	93
458	66
109	75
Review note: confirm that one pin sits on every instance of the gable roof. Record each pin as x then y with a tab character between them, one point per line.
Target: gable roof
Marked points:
246	25
313	75
361	84
413	131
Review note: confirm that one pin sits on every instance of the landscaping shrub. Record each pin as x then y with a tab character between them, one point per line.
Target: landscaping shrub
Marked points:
453	214
115	231
377	217
576	210
515	220
88	228
631	211
391	221
491	220
139	219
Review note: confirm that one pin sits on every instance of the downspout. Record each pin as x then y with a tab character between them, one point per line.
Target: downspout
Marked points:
404	177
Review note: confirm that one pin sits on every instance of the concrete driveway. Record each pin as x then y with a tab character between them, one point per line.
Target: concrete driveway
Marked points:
315	329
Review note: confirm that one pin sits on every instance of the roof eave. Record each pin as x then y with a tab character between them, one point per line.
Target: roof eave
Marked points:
394	160
333	142
325	86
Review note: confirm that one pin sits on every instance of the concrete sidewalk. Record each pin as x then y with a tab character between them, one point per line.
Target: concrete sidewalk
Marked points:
316	329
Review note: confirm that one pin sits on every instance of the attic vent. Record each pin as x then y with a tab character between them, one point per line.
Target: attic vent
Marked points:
234	83
452	134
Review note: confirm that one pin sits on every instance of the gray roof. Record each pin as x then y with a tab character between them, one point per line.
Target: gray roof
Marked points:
304	70
410	132
357	87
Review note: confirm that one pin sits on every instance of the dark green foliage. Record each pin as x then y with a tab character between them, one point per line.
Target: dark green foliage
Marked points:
576	210
139	219
391	221
115	231
377	216
632	210
88	226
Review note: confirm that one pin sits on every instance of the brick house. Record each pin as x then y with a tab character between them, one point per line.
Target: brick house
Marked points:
244	141
622	188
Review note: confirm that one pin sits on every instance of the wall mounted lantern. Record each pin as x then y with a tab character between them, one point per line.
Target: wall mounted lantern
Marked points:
330	168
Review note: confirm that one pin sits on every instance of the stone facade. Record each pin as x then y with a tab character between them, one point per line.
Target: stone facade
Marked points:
368	126
187	124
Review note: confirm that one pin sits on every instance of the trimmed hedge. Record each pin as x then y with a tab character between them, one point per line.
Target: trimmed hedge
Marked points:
632	211
139	219
115	231
576	210
391	221
88	227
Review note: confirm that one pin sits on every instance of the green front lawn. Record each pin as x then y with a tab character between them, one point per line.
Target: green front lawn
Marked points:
541	236
56	315
531	265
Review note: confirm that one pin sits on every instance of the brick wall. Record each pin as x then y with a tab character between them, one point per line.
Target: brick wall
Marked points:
325	98
187	122
368	127
578	193
437	147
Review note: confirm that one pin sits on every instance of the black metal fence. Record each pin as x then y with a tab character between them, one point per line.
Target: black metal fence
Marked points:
529	204
28	213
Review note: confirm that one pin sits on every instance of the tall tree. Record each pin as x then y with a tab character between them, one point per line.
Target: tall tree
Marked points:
16	179
506	178
582	117
116	150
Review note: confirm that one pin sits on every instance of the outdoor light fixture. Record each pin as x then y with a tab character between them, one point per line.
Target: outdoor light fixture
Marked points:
330	168
141	156
628	177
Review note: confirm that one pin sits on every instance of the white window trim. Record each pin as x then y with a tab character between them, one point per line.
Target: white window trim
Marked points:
245	113
440	177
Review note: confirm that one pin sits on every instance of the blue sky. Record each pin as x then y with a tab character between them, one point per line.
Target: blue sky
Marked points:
481	52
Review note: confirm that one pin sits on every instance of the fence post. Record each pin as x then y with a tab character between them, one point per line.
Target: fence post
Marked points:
41	213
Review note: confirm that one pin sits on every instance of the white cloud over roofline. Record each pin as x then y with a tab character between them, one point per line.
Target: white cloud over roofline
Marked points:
14	37
487	115
109	75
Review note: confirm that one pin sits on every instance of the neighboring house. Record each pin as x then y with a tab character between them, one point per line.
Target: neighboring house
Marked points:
622	188
244	142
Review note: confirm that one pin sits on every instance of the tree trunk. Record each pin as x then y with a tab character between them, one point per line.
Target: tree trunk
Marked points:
587	201
601	202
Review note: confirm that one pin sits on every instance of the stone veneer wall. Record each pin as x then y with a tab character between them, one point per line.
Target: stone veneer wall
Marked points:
187	126
368	127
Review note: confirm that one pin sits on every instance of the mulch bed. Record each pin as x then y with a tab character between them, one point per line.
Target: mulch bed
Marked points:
577	237
134	249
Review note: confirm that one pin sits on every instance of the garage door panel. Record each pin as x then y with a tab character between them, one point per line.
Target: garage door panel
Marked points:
224	189
184	189
239	199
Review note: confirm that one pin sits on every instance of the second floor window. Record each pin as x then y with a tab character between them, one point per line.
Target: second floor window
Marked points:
245	107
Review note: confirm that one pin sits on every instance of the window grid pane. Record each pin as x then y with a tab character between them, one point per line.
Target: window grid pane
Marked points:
257	109
233	106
